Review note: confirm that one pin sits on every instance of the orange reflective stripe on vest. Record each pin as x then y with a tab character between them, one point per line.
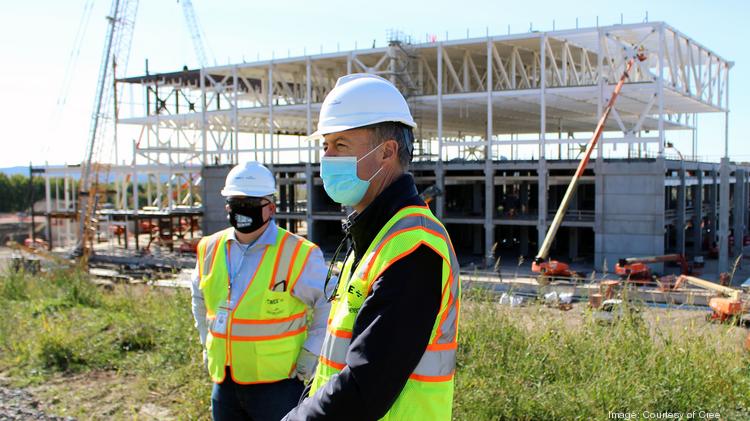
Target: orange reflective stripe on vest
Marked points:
267	327
428	393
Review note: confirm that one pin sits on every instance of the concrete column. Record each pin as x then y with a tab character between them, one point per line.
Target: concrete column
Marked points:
308	118
713	197
135	181
489	185
573	243
542	167
680	217
308	209
439	170
524	239
573	231
698	214
739	211
599	205
476	238
542	201
476	198
723	233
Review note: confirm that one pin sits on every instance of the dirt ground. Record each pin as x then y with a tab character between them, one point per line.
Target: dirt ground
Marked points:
94	395
107	395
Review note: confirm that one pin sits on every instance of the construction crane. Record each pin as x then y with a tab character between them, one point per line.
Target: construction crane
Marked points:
195	31
552	268
116	50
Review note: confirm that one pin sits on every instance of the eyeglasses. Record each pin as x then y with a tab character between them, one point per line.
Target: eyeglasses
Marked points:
241	202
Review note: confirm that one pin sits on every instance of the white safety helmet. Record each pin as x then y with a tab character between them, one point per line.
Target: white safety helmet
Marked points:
361	99
249	179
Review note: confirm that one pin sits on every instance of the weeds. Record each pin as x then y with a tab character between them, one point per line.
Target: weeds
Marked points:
61	324
529	363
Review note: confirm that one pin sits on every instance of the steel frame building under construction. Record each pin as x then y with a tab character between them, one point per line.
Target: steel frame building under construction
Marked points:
501	121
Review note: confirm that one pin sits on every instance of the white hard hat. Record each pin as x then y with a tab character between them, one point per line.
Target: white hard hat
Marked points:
361	99
249	179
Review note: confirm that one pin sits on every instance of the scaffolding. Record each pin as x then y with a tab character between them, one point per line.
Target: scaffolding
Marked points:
501	120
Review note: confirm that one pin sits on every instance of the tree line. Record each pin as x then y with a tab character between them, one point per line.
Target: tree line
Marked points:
15	195
14	192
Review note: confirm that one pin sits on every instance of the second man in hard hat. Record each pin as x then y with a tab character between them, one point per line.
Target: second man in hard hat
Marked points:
390	347
253	288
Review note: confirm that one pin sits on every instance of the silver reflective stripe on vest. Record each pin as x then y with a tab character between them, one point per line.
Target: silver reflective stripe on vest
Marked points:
267	329
433	363
335	348
285	255
437	363
449	326
263	329
211	244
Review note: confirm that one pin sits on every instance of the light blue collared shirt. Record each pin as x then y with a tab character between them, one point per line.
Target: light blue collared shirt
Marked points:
244	259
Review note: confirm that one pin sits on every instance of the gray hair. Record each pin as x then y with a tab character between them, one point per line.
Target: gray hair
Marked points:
401	133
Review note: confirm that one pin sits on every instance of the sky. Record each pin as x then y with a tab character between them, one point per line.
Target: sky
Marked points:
37	42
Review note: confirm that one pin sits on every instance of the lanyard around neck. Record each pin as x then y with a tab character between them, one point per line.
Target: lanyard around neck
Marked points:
231	275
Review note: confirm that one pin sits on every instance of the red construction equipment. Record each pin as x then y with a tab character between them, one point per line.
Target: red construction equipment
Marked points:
553	268
726	307
636	269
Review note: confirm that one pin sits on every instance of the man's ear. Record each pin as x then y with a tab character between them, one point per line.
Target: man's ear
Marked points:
227	208
390	149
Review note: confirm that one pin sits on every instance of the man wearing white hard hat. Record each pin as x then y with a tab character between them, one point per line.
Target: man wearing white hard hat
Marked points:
254	286
390	346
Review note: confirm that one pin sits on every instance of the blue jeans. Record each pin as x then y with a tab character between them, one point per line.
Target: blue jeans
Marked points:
256	402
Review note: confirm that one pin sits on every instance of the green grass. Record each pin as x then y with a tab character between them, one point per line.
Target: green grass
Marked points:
60	324
530	363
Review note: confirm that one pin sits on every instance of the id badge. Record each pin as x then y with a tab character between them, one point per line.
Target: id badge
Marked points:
220	324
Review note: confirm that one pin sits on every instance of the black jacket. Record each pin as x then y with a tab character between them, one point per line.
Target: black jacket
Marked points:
393	326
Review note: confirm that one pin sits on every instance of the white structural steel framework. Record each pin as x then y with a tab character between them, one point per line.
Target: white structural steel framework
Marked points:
462	93
536	94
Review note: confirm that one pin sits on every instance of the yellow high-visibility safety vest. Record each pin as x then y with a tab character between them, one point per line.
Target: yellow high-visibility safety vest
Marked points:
428	393
266	329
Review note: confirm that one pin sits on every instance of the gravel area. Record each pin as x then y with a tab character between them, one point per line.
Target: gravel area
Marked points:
19	404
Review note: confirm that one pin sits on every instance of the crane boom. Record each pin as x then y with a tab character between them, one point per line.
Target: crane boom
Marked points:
572	187
116	47
195	32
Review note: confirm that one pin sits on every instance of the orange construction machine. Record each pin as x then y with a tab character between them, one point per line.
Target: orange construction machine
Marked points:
727	306
636	269
550	269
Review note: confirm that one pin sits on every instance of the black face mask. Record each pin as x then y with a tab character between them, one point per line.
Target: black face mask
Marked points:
246	217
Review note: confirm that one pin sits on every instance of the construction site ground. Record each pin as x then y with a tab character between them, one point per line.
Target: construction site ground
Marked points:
118	395
106	394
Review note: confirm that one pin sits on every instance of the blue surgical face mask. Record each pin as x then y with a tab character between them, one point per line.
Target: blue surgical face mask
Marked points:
340	180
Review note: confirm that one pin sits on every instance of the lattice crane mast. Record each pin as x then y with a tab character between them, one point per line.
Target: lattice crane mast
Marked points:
195	31
117	42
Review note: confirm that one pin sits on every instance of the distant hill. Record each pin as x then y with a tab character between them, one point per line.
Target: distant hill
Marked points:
24	170
10	171
15	170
